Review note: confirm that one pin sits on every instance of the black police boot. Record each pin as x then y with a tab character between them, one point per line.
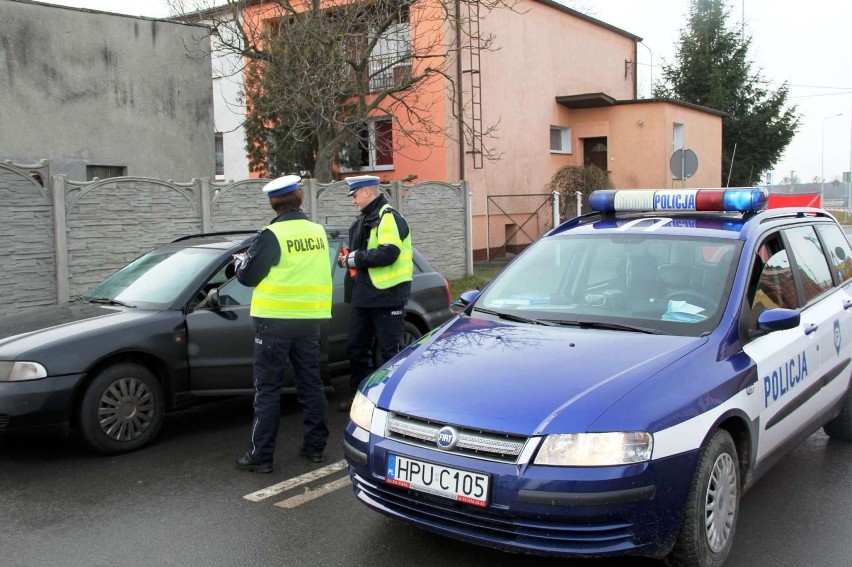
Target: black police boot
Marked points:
245	463
311	454
345	405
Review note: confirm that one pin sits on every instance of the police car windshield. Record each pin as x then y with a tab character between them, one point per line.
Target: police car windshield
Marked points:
155	279
671	284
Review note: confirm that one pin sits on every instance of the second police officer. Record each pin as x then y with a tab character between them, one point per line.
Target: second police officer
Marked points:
378	282
287	264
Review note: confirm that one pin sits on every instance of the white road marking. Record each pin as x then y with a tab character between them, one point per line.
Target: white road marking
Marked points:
295	481
309	494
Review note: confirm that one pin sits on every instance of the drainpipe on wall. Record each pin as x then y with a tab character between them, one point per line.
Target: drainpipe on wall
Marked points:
460	92
635	70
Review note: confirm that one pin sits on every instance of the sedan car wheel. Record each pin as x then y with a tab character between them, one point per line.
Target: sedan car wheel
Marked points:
122	409
410	333
710	517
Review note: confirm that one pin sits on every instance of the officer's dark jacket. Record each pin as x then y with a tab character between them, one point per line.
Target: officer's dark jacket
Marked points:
361	292
263	253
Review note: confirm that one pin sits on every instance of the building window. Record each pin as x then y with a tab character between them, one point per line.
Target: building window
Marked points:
105	171
390	60
373	148
678	137
560	140
220	154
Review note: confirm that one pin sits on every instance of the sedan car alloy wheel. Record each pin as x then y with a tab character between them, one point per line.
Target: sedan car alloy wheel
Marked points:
721	502
122	409
126	409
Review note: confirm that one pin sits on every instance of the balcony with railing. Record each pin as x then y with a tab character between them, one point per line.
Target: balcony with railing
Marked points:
388	71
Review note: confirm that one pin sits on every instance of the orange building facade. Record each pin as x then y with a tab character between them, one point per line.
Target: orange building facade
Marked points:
560	89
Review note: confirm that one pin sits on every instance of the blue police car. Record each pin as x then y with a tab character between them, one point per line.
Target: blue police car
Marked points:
621	383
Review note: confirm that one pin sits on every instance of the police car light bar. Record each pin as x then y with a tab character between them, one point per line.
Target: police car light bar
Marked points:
741	199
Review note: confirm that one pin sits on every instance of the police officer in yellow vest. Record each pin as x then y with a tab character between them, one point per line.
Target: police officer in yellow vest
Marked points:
288	265
381	260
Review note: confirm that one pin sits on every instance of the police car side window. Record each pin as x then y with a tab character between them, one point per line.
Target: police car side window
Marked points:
772	283
810	260
839	252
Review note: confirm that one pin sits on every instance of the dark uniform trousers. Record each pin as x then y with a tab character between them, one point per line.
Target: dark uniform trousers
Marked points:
386	325
270	356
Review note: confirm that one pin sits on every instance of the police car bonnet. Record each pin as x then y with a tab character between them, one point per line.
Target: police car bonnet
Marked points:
360	181
282	185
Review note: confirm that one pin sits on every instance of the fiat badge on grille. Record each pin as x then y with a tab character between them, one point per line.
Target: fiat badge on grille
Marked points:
447	438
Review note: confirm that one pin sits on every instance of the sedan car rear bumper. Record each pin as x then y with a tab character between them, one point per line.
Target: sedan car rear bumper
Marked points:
542	510
37	404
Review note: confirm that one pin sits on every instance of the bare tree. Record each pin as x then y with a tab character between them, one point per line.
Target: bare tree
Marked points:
321	77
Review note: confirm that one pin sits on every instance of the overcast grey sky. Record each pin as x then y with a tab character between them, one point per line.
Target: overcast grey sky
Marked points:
807	44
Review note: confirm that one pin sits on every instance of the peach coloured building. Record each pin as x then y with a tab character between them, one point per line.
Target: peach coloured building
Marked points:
561	88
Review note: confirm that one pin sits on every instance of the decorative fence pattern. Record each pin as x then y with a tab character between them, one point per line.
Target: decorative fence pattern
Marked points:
513	222
60	237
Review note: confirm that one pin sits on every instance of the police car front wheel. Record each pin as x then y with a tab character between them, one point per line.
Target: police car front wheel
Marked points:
712	507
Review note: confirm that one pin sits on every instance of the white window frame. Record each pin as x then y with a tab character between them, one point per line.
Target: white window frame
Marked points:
392	50
371	166
678	136
564	139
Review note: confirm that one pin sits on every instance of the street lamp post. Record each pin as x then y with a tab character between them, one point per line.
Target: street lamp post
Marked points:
822	157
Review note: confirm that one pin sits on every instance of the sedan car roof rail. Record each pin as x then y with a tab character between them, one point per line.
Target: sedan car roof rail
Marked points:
223	233
792	212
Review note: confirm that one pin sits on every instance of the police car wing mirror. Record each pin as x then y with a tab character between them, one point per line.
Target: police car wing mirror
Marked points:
778	319
466	298
213	299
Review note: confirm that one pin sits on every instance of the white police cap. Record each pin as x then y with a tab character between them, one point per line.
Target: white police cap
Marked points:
361	181
282	185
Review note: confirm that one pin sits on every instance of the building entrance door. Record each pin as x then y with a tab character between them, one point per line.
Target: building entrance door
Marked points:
594	152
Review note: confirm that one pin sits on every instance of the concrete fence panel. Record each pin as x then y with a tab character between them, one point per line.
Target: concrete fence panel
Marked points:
62	237
112	221
436	213
27	261
240	206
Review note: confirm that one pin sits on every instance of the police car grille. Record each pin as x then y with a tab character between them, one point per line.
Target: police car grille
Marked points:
4	420
532	531
472	443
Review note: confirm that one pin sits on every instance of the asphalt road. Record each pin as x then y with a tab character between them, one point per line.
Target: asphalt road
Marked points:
179	502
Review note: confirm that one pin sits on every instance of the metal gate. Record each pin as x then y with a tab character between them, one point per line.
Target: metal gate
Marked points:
513	222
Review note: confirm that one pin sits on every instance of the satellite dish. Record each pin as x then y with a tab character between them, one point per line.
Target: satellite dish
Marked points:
684	163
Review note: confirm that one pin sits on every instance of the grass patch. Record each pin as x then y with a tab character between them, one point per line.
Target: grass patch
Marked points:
842	217
481	276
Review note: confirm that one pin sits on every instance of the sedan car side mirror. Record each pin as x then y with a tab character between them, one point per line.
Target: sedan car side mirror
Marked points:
778	319
213	298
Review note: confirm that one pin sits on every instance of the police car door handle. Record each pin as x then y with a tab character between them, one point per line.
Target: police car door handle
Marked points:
811	328
847	304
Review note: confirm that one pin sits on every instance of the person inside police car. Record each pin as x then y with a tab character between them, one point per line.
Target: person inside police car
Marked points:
378	281
287	264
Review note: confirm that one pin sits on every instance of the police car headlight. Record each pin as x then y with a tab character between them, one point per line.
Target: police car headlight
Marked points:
595	449
361	412
18	371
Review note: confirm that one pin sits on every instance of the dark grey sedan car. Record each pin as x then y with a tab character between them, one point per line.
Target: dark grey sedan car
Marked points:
171	327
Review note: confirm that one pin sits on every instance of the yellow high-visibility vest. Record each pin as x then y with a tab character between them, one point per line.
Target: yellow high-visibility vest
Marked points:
387	233
299	286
